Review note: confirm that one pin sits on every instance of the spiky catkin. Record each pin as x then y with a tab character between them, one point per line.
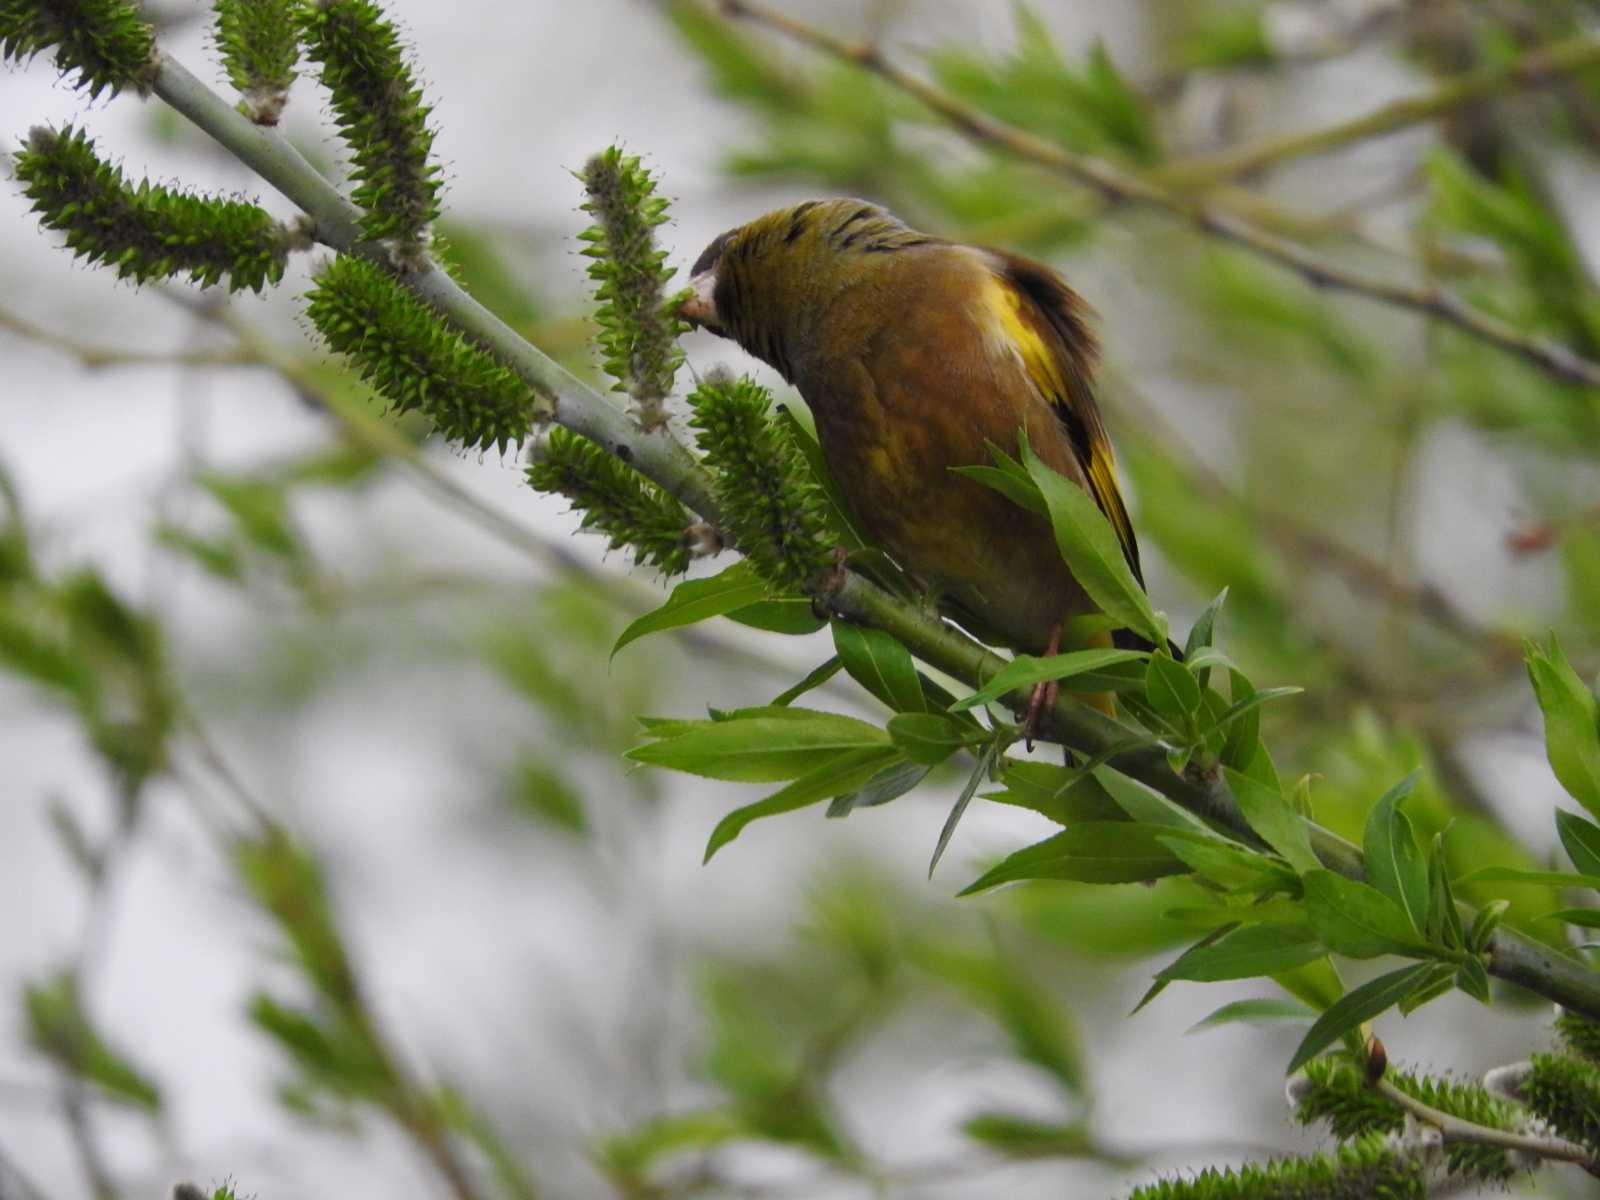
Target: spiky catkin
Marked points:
1363	1170
1580	1035
769	500
1338	1093
1566	1093
259	41
615	500
415	361
639	325
106	43
147	231
377	105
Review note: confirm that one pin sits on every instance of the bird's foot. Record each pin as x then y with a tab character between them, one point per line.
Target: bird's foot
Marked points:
1044	694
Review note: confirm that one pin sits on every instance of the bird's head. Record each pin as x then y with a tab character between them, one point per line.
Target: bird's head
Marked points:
769	283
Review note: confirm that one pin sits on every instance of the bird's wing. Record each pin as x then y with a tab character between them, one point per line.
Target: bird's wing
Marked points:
1046	322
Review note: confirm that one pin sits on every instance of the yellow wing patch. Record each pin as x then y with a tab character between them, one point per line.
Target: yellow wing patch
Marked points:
1066	385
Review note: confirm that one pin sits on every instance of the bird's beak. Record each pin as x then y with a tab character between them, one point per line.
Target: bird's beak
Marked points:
699	308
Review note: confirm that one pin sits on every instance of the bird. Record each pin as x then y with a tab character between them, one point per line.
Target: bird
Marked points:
915	354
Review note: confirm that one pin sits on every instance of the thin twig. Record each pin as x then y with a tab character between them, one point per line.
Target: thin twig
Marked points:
94	355
1454	1130
1209	215
1536	68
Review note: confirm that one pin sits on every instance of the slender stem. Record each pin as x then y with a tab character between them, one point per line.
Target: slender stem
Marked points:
1210	215
1454	1129
1537	68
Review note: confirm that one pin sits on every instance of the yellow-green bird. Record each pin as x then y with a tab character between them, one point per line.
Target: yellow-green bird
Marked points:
913	353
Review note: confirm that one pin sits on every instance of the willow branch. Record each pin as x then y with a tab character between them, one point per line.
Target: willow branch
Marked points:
572	403
1121	186
1456	1131
1536	68
666	462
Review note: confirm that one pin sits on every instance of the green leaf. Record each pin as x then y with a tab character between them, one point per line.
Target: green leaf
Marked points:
1250	950
1203	631
1581	839
1473	979
1518	875
844	772
1172	691
1242	708
981	772
811	682
1024	671
759	745
696	600
1485	923
1444	922
1018	489
878	662
1571	732
1230	867
888	784
1094	852
1063	795
1584	918
793	616
1254	1012
1243	738
1366	1002
1144	804
1394	864
1092	551
1273	820
927	738
1356	920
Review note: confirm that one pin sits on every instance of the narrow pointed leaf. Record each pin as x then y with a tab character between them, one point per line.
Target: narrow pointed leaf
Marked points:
1254	1012
1274	821
1356	920
1248	951
1095	852
878	662
1394	863
1367	1001
1025	671
1581	839
697	600
842	773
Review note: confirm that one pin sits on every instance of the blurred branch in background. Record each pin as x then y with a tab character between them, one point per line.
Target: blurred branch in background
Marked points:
1208	213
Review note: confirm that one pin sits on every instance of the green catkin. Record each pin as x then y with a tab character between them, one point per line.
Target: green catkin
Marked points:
1580	1035
638	325
770	502
405	351
1337	1093
147	231
1566	1093
615	500
259	42
1364	1170
106	43
378	108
